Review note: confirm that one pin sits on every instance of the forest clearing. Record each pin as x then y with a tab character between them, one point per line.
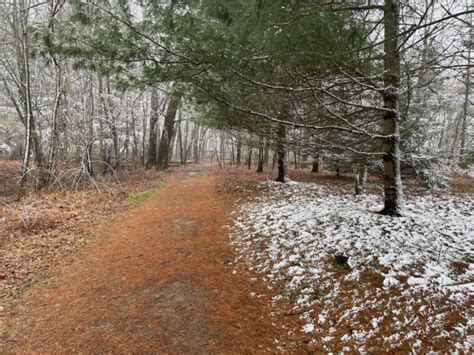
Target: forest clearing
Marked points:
236	176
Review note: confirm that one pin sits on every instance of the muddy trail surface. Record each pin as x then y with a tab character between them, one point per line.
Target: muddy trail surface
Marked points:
158	280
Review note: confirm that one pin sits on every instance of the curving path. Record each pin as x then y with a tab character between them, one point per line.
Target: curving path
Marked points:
158	280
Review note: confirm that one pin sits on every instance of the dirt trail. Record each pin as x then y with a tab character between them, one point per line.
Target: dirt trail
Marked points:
159	281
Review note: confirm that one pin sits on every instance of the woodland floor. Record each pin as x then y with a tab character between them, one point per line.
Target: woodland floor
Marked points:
151	272
157	279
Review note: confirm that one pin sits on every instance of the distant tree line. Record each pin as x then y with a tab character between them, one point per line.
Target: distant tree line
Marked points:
354	83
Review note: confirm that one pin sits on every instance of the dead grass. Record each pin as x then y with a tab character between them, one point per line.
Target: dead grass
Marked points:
462	183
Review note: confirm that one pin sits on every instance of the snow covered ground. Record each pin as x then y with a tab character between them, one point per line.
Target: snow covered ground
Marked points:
359	276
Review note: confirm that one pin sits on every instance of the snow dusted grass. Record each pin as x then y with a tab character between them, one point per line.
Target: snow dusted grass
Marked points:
407	283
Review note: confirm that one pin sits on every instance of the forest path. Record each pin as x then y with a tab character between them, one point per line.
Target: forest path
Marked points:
157	281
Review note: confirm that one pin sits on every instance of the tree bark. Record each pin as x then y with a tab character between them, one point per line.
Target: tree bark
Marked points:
465	113
282	155
393	191
28	124
168	133
315	167
90	119
155	105
266	154
249	159
296	159
239	150
110	141
260	160
360	179
31	137
113	125
58	96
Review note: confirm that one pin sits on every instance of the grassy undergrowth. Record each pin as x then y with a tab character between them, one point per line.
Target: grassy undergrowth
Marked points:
143	196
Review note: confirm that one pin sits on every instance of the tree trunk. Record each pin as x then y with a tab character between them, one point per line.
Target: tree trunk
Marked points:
135	141
274	159
90	128
239	150
443	129
249	160
109	137
144	127
29	127
31	136
393	191
54	128
266	153
315	167
304	161
107	158
173	151
113	125
168	133
282	155
360	179
196	144
58	99
180	144
260	160
465	113
155	108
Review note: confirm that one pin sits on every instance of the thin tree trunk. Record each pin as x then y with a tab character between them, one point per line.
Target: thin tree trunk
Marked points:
360	179
180	145
443	128
465	113
144	127
304	161
54	128
26	97
239	150
107	142
260	160
113	126
91	130
266	153
315	167
249	159
135	140
58	98
196	144
28	118
282	155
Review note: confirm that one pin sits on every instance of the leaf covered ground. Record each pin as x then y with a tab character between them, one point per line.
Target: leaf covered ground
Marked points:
159	280
42	229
